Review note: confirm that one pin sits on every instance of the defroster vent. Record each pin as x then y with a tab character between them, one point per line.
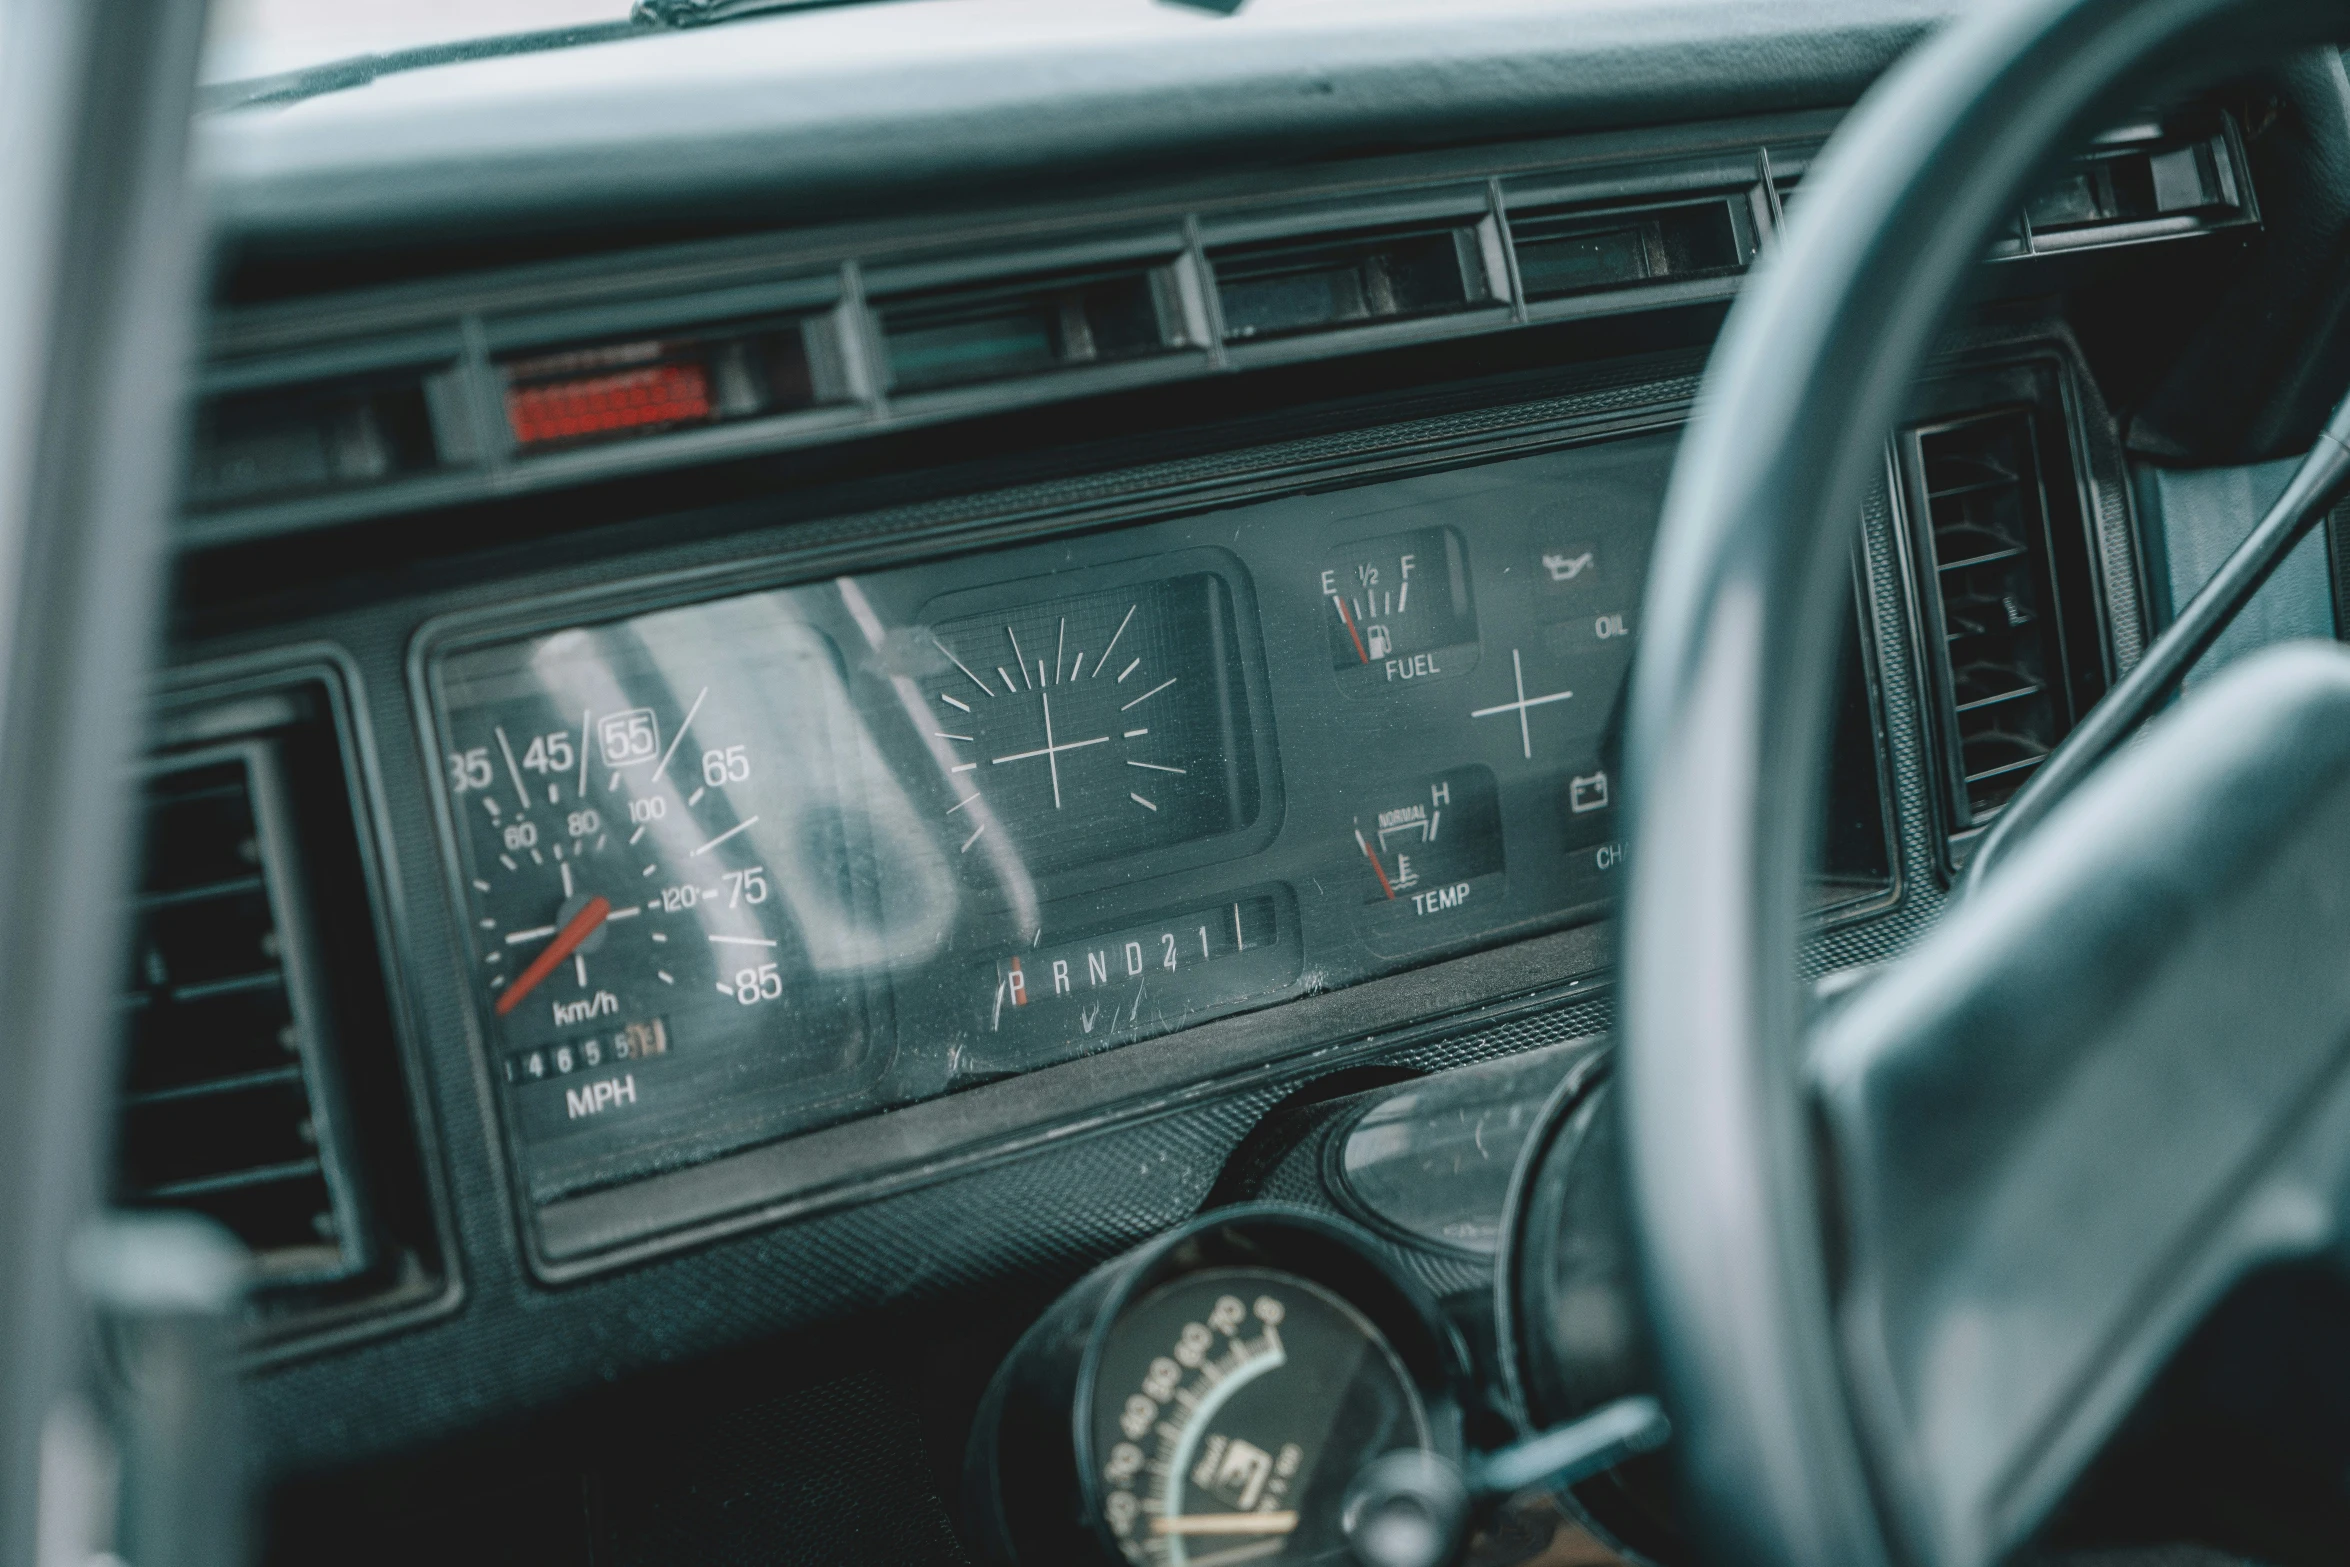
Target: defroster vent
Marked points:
1995	603
230	1102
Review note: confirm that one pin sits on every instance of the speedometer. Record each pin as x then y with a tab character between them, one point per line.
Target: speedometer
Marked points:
563	895
659	850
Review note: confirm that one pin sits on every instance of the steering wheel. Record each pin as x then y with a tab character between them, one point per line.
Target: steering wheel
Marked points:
1910	1261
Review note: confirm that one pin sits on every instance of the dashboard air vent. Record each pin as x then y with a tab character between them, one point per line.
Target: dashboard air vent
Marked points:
576	396
1313	285
2136	183
312	439
2141	181
999	331
1561	253
1993	603
230	1106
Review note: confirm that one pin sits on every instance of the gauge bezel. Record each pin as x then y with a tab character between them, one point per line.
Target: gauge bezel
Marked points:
1054	1370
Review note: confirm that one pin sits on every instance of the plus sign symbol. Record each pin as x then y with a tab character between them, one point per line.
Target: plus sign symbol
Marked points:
1522	705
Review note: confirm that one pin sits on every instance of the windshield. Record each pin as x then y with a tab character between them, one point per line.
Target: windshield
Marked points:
257	38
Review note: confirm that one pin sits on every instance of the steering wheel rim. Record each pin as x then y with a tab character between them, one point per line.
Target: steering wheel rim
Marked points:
1730	703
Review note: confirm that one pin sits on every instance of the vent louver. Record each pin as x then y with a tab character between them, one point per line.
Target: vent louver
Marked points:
2136	183
229	1104
1029	326
1993	604
2143	181
1562	253
316	438
1315	284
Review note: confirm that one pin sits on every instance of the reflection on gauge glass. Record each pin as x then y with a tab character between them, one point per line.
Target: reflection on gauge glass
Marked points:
1433	1159
1232	1409
666	831
1399	611
1084	729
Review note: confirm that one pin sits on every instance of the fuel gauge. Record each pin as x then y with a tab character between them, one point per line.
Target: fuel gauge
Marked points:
1398	611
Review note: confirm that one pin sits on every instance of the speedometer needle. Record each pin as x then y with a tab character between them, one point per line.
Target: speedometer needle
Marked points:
582	925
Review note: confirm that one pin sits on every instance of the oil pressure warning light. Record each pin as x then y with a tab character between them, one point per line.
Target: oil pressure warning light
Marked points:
1429	850
1397	611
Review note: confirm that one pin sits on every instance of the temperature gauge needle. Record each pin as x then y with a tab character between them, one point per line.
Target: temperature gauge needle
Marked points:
1377	869
582	925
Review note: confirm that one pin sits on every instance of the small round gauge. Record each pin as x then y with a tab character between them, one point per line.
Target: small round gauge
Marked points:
1209	1399
1234	1408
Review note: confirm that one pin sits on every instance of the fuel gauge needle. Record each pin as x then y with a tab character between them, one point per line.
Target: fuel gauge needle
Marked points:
582	925
1377	869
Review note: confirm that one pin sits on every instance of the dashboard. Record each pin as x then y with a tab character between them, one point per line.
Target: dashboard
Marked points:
768	759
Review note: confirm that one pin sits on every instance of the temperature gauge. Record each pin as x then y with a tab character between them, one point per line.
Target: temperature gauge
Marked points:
1430	849
1397	611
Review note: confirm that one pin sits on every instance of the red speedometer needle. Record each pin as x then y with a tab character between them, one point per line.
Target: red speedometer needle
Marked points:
583	925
